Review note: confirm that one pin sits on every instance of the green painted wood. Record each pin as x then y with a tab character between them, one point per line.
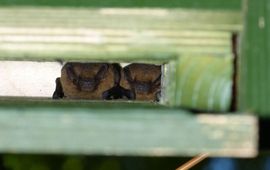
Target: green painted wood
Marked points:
168	85
202	4
28	33
204	82
254	60
80	127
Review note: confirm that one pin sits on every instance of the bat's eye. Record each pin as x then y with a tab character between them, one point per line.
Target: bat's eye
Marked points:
88	80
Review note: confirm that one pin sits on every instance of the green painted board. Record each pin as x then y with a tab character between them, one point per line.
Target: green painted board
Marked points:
254	62
204	82
43	33
80	127
202	4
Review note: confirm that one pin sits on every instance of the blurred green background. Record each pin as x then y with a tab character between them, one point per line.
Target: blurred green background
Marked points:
60	162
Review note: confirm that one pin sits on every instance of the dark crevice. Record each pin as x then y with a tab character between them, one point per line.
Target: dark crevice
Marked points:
264	137
234	46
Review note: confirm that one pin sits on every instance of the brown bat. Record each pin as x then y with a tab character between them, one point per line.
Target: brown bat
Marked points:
143	80
93	81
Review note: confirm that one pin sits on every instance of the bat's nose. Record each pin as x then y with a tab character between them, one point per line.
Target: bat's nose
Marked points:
87	85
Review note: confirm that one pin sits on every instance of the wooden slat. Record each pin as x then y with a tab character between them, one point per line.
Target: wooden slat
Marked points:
121	129
120	18
28	33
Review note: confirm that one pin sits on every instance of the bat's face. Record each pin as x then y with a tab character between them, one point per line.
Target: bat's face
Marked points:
143	79
85	77
87	80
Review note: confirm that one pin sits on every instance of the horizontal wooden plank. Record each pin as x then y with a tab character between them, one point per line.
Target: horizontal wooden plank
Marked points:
132	18
109	53
42	33
208	4
71	127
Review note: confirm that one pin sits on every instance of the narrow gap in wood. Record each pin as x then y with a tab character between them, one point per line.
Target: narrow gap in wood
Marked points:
264	137
235	50
40	78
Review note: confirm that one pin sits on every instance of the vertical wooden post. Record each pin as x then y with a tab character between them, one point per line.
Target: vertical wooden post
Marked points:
254	65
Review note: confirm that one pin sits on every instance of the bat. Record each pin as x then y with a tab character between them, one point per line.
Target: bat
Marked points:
143	80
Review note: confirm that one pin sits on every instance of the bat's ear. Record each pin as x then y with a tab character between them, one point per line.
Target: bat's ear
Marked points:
71	74
127	74
102	71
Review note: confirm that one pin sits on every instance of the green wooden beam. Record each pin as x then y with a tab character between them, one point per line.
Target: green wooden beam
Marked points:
80	127
254	92
42	33
201	4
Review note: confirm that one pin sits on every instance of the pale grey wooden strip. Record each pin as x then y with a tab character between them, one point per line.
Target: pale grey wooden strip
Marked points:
127	129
